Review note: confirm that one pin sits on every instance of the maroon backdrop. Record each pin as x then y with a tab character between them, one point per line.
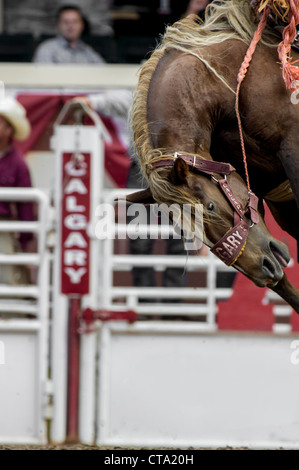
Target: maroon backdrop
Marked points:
42	110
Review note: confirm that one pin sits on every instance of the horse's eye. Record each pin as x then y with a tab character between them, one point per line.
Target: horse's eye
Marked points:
211	206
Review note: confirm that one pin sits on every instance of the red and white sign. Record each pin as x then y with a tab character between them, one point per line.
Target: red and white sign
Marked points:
75	219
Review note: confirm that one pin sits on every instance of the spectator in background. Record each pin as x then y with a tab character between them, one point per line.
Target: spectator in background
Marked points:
67	47
13	173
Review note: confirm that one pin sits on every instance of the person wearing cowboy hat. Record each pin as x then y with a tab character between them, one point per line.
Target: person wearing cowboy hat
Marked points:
14	172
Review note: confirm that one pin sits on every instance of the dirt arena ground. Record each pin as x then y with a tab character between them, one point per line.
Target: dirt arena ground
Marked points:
85	447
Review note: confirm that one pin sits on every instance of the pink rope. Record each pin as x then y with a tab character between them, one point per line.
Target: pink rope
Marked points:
289	71
241	75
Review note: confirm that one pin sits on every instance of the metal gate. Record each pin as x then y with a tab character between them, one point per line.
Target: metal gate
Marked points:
180	385
184	383
24	331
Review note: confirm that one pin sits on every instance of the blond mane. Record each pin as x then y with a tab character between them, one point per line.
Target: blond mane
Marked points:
225	19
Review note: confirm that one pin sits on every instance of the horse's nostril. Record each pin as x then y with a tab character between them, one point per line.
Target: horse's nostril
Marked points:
281	253
268	267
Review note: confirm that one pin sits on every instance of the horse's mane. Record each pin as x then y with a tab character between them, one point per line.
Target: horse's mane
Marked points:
225	19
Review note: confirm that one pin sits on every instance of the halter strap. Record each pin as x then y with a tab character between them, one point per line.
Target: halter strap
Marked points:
232	244
197	163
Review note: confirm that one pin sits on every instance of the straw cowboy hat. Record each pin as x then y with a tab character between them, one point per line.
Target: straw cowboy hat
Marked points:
15	115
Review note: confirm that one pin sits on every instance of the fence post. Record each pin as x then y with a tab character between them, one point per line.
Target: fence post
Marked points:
79	155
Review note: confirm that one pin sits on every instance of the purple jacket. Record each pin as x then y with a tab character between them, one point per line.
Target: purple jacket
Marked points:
15	173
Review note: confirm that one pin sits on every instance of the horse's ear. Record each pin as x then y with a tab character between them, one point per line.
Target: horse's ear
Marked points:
179	172
139	197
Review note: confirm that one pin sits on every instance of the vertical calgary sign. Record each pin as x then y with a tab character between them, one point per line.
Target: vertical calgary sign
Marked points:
75	219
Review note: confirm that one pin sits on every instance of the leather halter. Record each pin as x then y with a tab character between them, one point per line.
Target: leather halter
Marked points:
232	244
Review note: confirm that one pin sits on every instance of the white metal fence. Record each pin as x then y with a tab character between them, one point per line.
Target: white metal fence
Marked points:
24	330
25	360
25	388
202	300
130	374
177	384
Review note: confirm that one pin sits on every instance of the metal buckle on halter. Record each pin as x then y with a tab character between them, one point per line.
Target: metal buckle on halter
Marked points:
250	193
215	179
252	208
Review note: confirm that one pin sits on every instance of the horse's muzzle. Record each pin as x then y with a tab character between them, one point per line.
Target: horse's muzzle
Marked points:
275	261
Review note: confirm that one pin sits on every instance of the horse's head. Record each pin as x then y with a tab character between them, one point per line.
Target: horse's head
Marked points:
232	226
257	254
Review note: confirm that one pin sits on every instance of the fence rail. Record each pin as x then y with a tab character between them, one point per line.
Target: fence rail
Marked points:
197	301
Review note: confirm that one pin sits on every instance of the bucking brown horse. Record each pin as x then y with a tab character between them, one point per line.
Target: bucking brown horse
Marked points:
189	140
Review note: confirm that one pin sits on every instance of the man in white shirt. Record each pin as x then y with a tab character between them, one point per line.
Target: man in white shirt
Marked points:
67	47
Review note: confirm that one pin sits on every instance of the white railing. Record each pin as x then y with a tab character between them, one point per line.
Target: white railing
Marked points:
24	328
40	259
199	301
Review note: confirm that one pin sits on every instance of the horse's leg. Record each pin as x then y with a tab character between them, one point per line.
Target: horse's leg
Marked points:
289	158
288	292
286	215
